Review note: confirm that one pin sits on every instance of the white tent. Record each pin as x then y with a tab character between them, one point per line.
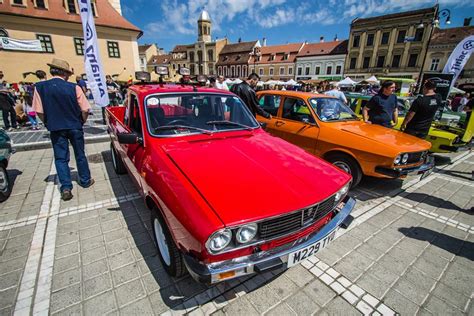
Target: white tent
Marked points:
291	82
274	82
455	90
372	80
346	82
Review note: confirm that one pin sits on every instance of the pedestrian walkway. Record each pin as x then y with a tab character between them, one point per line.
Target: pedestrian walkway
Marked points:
27	139
409	250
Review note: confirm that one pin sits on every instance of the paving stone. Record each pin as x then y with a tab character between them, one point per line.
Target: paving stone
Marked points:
73	310
66	250
281	309
120	259
129	292
348	269
370	252
439	307
141	307
459	278
116	246
65	279
451	296
91	243
65	297
165	299
302	304
395	264
400	303
319	292
100	304
413	291
12	253
263	299
94	269
124	274
373	285
90	232
283	286
7	298
149	264
299	275
19	241
97	285
114	235
67	238
189	288
12	265
29	229
92	255
338	306
66	263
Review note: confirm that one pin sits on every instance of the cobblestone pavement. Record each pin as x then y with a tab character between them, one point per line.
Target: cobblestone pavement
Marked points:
409	251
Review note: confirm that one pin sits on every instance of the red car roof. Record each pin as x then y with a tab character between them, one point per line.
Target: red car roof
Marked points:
172	88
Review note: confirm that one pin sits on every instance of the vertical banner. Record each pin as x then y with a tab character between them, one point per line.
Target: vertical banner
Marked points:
93	65
459	57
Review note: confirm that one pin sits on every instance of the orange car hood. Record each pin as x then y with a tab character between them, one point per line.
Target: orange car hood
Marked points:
382	135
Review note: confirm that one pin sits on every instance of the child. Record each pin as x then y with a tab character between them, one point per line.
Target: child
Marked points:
28	109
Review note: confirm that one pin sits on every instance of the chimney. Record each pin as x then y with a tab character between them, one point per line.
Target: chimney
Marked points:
321	39
240	40
467	22
264	42
335	38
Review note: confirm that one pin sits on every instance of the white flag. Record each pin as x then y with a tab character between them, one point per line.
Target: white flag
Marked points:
93	65
459	57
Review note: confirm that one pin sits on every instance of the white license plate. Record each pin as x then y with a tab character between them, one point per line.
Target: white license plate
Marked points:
302	254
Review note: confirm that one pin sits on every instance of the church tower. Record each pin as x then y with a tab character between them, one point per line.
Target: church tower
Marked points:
204	27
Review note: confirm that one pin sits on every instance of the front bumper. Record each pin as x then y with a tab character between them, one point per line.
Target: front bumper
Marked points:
455	148
399	172
266	260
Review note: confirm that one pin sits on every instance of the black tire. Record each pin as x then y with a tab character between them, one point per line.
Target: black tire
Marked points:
347	164
5	184
173	262
117	162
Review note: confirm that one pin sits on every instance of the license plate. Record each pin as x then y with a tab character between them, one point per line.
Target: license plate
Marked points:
302	254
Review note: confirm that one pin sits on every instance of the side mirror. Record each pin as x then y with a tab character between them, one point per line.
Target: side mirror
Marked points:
129	138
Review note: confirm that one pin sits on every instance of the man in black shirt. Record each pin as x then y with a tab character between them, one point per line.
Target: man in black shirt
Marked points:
422	111
245	91
382	107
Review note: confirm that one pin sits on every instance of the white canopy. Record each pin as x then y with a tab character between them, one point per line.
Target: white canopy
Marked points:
291	82
274	82
455	90
346	82
372	79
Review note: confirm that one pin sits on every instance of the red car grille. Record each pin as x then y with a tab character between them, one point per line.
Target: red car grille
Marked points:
290	223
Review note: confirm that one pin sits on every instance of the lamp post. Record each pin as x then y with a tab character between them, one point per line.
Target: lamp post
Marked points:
445	13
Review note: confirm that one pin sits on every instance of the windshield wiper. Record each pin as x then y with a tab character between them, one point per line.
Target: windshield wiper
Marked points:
229	123
173	127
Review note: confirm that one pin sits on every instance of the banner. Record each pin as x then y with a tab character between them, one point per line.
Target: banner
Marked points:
443	82
93	65
24	45
459	57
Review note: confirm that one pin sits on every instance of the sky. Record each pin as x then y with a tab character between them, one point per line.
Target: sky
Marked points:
171	22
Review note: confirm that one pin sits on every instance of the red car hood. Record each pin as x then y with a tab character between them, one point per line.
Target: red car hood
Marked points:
251	177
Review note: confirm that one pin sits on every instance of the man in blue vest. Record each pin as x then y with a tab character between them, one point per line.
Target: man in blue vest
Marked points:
63	108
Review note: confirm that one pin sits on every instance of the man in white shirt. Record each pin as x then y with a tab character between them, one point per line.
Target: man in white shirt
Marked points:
220	83
334	92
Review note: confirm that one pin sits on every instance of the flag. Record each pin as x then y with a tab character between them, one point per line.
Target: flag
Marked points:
93	65
459	57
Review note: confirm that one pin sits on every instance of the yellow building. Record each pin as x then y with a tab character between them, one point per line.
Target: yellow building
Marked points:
57	24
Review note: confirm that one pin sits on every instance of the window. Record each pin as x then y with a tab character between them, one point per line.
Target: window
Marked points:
356	41
232	71
401	36
79	46
260	71
93	7
272	57
191	57
329	70
297	110
306	71
18	2
370	40
353	62
366	62
271	72
282	71
270	103
199	56
71	6
135	123
317	70
338	70
40	4
380	61
396	61
244	71
300	70
286	56
46	43
385	37
113	48
210	55
412	60
419	35
434	64
238	71
290	70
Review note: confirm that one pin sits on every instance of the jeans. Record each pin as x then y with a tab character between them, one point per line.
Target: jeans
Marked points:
32	120
60	140
9	122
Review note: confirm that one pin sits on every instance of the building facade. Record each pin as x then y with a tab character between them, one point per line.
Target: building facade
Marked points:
234	59
145	52
57	25
276	62
391	45
179	59
442	44
160	60
321	61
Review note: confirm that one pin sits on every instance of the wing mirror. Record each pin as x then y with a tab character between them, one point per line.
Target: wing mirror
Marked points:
129	138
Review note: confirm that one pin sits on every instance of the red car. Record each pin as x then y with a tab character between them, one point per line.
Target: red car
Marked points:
227	198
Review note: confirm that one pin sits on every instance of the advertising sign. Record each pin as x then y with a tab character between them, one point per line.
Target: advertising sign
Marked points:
443	82
459	57
8	43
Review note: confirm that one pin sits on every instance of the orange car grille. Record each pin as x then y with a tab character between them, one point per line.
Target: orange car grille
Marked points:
289	223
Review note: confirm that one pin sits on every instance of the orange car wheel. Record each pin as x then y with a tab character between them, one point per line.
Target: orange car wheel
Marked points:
347	164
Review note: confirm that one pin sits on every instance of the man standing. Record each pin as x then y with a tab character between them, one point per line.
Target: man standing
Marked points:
220	83
81	83
245	90
422	111
334	92
63	108
7	105
382	108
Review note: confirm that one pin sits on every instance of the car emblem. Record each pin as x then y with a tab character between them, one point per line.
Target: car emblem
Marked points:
308	215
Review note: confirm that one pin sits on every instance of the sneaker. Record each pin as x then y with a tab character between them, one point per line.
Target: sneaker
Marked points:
18	127
10	129
66	195
90	183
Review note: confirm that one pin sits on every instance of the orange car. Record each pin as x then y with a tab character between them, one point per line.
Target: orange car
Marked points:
327	128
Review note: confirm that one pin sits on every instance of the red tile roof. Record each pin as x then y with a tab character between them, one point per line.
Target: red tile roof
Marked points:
180	48
242	47
107	15
451	36
285	48
277	53
325	48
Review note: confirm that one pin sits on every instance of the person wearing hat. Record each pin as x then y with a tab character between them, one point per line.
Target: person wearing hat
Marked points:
63	108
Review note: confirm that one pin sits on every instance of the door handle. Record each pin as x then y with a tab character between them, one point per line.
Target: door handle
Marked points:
279	123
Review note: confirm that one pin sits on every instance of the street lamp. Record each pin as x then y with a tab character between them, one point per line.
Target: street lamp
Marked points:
445	13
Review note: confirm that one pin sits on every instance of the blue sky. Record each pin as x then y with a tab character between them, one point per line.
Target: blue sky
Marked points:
172	22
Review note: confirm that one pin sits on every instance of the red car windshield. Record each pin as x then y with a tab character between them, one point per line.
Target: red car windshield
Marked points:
184	114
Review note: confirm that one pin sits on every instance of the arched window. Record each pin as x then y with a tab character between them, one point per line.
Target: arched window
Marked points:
238	75
219	71
210	55
244	71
